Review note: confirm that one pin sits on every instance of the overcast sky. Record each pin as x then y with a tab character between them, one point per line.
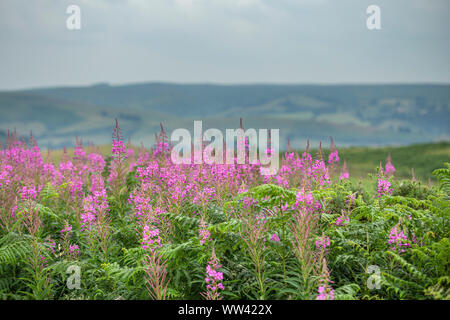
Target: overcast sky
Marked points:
223	41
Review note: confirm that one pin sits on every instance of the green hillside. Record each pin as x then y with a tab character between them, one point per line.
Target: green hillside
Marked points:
424	158
355	115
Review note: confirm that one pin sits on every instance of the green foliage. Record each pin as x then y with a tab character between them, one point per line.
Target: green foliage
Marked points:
420	272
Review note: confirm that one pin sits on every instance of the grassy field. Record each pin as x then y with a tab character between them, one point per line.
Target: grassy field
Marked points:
361	161
424	158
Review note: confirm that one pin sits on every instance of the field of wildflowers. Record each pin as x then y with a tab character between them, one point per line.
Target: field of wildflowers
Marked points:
133	225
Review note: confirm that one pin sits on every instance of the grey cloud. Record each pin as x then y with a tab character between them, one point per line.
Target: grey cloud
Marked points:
301	41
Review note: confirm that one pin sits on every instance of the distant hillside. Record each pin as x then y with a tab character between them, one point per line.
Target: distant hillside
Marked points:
352	114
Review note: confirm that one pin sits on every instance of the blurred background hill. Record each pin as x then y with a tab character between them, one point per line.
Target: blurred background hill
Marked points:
355	115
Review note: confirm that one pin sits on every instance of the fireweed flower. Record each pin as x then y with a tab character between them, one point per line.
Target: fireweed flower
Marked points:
66	229
28	193
325	293
305	202
275	238
74	250
140	201
389	168
13	211
5	175
322	242
95	204
398	239
343	220
161	147
213	279
319	173
344	172
333	157
79	153
384	188
203	233
202	197
150	239
87	217
96	163
118	148
249	202
117	171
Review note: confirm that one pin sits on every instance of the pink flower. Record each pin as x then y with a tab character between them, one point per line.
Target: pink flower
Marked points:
384	188
342	220
67	229
322	242
275	238
151	238
203	233
74	250
29	193
118	148
333	157
325	294
213	279
398	239
344	176
389	168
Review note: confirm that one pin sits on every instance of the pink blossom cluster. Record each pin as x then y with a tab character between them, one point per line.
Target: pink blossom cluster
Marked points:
96	162
150	239
213	278
203	233
333	157
79	153
5	173
322	243
344	172
161	148
118	148
325	293
304	171
389	168
249	202
342	220
28	193
306	203
95	203
66	229
74	251
275	238
398	239
384	187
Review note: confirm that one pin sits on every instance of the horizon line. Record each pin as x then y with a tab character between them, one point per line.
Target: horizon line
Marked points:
225	84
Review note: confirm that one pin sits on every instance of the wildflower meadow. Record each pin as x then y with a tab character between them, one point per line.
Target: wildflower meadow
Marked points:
133	225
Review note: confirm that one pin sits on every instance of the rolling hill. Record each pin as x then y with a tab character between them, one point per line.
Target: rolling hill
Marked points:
355	115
